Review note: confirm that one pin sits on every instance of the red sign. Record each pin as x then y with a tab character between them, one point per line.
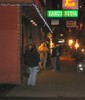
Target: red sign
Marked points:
70	4
71	23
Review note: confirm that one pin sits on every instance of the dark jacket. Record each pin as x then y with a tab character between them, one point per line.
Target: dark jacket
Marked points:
53	52
56	52
32	58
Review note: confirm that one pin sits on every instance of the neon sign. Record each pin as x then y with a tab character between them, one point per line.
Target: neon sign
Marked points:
70	4
62	13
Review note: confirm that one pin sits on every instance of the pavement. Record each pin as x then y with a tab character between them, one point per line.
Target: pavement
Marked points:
66	84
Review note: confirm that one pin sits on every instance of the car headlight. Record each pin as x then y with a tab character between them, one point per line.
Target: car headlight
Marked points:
83	50
81	67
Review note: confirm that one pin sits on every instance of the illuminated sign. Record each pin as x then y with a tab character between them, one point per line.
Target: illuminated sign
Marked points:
70	4
54	21
71	23
62	13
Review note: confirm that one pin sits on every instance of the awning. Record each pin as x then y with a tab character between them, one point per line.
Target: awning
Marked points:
34	13
16	1
31	11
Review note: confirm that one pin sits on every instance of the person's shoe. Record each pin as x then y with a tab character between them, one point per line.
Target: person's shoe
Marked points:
45	68
53	70
29	84
33	85
58	70
38	70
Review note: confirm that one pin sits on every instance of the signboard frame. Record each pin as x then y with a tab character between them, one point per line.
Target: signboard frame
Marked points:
61	13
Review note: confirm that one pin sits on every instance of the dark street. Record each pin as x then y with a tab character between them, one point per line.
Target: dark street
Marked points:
66	84
34	34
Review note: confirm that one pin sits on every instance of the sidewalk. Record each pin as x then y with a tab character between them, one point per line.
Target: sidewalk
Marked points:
66	83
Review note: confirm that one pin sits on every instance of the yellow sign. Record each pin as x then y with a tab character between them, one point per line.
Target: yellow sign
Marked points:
70	4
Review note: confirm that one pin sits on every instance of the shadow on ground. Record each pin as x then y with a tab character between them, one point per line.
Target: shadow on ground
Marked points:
5	88
41	98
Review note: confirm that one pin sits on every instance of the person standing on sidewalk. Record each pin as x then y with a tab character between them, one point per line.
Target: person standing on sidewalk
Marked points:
56	57
53	57
33	59
58	53
43	54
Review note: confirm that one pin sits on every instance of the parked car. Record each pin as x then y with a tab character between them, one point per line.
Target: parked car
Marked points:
79	54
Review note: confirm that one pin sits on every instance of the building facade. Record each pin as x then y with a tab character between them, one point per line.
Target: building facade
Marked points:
16	31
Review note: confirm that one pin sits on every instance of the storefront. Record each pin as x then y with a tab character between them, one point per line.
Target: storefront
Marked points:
16	31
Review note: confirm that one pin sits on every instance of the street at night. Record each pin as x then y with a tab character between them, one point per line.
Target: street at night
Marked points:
66	84
34	34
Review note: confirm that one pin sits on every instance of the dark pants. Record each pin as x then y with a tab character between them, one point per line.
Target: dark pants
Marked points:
57	63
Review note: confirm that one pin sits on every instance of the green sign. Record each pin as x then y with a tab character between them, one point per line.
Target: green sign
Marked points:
62	13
